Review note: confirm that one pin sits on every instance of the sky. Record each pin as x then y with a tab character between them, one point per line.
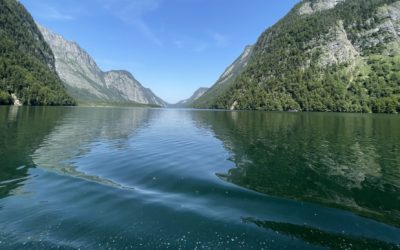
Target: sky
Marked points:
171	46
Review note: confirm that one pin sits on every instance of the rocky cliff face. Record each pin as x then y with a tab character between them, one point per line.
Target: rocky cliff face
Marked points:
310	7
87	82
325	55
188	102
236	67
123	83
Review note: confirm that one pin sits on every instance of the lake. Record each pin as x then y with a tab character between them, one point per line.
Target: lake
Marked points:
123	178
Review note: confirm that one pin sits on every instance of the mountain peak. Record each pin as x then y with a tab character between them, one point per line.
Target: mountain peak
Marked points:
87	82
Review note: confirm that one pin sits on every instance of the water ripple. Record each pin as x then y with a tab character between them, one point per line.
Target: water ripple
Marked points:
117	178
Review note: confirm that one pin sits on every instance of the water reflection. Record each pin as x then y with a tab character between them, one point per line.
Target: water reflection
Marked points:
81	130
316	236
139	178
349	161
22	129
12	113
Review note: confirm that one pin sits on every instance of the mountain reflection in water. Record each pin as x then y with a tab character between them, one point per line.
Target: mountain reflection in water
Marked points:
153	178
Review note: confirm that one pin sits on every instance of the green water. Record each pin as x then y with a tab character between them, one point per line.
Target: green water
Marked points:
122	178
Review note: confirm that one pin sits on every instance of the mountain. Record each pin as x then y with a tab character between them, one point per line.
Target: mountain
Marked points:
210	98
86	82
27	71
189	102
324	55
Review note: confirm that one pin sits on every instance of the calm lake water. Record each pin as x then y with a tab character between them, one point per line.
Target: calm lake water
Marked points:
121	178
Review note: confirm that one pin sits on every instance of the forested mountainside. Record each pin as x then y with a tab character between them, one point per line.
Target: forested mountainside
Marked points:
27	70
86	82
325	55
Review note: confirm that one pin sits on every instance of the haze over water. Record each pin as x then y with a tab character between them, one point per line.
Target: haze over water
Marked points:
119	178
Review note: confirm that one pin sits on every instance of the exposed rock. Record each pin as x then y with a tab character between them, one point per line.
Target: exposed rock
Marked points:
75	67
129	88
386	31
15	100
199	93
234	104
336	48
320	5
85	80
237	66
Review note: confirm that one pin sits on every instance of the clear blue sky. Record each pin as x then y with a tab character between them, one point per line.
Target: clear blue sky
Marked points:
171	46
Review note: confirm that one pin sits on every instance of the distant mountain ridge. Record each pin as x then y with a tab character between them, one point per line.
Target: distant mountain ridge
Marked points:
324	55
189	102
86	82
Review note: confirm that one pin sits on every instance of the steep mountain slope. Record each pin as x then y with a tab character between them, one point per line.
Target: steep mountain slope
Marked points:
27	68
189	102
128	88
210	98
88	83
325	55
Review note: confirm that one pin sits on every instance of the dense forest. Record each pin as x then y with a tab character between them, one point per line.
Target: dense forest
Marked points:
26	61
286	70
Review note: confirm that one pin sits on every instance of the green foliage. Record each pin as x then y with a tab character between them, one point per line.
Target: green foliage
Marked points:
210	99
285	73
5	97
26	61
